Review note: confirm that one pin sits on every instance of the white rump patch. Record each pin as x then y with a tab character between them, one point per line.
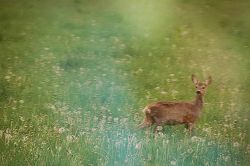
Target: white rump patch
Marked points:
146	110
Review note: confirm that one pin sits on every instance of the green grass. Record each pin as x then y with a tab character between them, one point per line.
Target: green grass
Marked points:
74	75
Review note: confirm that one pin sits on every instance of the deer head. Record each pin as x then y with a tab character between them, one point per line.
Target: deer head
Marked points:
201	86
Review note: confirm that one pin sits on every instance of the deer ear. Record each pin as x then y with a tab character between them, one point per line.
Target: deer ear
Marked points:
209	80
195	81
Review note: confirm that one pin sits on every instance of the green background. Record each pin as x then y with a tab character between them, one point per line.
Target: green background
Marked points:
75	75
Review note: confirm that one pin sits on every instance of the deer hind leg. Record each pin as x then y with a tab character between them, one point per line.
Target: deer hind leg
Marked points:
148	121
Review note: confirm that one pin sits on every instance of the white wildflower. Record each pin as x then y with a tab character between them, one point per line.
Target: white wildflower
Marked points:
207	130
171	75
95	119
236	144
248	148
173	162
165	141
25	138
190	151
70	138
226	158
7	137
7	77
59	148
163	92
196	139
82	133
61	130
116	120
122	46
184	33
93	129
69	152
51	106
157	88
161	135
109	118
21	118
174	92
19	78
159	128
138	145
1	133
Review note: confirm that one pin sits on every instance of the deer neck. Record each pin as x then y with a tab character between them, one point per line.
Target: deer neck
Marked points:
199	101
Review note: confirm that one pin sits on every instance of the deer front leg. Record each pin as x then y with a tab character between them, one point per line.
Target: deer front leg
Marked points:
144	124
148	121
190	127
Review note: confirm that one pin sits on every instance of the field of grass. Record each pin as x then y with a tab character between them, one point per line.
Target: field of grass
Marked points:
75	75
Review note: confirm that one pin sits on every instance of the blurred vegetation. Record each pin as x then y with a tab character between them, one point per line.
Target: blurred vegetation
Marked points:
74	75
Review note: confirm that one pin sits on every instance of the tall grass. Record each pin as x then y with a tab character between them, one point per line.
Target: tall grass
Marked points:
74	76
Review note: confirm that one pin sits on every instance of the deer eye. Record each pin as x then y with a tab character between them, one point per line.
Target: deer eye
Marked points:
203	87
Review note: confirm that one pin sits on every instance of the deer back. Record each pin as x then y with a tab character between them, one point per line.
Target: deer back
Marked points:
170	112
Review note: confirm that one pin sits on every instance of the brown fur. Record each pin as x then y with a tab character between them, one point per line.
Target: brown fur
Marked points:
172	113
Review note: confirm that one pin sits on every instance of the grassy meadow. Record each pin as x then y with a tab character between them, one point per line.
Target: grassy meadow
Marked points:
75	75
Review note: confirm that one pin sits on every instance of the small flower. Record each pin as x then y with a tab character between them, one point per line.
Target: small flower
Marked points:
25	138
157	88
93	129
116	120
22	118
165	141
1	133
159	128
174	92
51	106
109	118
59	148
8	137
197	139
190	151
70	138
226	158
69	152
173	162
138	145
248	148
163	92
95	119
7	77
161	135
236	144
207	130
61	130
171	75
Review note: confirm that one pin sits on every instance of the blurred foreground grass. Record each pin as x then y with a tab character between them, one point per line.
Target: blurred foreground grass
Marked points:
74	75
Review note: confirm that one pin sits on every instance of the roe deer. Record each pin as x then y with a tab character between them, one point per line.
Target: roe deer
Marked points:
169	113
